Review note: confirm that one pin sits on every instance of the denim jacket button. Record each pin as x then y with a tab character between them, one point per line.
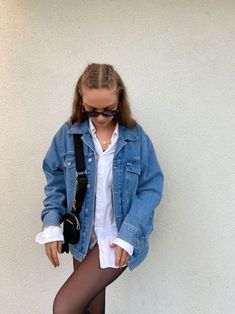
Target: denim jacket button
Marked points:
86	210
88	185
89	160
84	233
69	163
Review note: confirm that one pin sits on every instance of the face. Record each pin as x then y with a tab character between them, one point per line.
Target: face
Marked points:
99	100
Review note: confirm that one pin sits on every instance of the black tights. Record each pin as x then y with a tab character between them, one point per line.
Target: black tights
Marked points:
84	291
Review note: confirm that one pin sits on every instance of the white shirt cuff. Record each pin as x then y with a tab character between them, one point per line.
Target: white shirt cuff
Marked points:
125	245
106	253
49	234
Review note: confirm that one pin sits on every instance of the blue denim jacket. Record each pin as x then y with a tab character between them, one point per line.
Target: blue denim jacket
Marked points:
136	191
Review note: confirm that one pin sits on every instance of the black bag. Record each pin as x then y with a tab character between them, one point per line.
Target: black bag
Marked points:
71	228
71	224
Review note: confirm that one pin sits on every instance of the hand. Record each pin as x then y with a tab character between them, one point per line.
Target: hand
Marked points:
121	257
51	249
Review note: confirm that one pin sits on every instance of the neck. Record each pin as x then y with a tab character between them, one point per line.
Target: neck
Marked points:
109	128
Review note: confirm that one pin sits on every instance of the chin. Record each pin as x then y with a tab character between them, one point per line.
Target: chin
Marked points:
102	124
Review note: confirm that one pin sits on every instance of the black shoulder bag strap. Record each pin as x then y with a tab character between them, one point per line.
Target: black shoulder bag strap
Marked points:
81	177
81	181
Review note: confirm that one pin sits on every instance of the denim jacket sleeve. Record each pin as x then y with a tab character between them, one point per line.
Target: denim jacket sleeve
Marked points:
138	222
55	201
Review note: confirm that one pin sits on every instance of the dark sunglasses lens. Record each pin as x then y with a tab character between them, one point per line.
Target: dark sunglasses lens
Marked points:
105	113
92	113
109	113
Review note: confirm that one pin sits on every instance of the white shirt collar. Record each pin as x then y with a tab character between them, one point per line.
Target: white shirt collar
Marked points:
93	129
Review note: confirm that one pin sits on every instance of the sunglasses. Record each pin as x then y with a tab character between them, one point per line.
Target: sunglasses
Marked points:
95	114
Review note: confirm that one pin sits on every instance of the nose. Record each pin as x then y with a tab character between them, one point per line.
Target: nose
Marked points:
100	118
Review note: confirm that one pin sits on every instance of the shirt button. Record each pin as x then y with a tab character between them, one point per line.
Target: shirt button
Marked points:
88	185
89	160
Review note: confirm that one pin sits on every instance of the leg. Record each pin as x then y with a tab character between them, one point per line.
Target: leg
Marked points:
97	305
84	285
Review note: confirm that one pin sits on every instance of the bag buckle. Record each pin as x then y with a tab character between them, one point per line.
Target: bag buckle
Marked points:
81	179
77	222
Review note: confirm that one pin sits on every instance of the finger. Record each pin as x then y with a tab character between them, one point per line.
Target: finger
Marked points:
118	255
55	255
52	252
59	246
123	259
112	245
49	254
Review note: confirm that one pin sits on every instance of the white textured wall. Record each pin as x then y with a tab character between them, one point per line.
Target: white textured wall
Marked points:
177	60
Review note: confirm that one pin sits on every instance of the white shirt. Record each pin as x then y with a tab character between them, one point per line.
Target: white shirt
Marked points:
104	229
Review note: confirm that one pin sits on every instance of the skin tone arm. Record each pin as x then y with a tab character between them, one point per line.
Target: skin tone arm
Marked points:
53	248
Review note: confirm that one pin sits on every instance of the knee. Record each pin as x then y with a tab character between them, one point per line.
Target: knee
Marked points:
59	306
62	306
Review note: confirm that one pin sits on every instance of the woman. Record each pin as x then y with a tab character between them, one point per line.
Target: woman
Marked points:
124	187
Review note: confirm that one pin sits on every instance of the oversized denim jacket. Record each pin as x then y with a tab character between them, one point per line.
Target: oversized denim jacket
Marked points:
136	191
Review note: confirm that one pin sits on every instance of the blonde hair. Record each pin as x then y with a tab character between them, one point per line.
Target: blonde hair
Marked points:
98	75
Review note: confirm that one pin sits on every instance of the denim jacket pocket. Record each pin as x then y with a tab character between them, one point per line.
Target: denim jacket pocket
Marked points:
133	166
69	160
130	181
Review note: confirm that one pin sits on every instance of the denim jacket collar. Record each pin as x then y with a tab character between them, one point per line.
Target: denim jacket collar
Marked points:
83	128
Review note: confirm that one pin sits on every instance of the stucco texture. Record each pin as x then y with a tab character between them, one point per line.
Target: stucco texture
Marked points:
177	61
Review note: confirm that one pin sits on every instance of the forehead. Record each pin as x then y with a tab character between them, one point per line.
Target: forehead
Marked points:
99	97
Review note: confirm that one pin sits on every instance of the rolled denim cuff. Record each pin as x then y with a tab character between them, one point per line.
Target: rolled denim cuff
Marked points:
51	219
129	233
